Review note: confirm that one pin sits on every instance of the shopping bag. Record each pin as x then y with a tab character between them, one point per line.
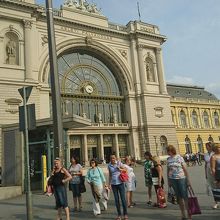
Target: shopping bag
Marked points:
161	198
106	193
171	197
49	190
193	204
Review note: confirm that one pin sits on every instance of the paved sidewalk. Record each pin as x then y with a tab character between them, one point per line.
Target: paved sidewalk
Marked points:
44	206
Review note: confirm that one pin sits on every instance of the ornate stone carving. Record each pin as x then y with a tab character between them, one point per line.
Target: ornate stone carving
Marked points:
44	40
12	105
88	40
158	112
27	24
83	5
123	53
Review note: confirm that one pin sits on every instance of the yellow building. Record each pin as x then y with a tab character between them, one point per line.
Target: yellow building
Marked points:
195	113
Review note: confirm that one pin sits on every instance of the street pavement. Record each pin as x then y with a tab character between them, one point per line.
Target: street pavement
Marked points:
44	207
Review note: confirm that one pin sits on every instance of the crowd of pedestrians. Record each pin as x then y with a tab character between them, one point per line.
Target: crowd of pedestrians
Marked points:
122	182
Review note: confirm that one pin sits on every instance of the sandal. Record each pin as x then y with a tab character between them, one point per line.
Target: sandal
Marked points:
125	217
118	218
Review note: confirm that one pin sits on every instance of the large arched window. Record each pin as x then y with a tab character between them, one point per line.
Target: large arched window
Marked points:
183	122
206	119
89	88
195	122
216	119
163	144
200	144
188	145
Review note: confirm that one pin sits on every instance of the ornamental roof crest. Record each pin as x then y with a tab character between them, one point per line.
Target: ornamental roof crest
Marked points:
82	5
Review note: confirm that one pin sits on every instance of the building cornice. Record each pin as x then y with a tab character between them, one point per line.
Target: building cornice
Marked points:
38	12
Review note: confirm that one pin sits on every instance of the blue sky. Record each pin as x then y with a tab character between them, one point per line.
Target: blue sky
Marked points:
191	53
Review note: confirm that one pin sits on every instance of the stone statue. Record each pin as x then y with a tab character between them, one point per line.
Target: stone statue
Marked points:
11	52
150	76
71	3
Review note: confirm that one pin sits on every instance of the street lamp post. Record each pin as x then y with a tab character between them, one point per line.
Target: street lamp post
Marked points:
55	90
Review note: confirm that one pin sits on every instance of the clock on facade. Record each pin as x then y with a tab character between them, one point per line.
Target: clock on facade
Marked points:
89	89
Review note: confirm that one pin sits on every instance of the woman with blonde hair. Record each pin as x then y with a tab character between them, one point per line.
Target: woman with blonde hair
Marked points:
215	169
59	177
157	178
130	185
178	178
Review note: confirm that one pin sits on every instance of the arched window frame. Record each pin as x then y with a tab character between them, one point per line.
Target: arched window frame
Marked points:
216	119
188	145
183	121
195	121
163	144
206	119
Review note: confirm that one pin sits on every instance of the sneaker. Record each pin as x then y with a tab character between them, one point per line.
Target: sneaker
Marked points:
149	202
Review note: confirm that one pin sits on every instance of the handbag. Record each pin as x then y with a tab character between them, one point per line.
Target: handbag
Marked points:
123	176
171	197
50	180
193	204
106	193
82	184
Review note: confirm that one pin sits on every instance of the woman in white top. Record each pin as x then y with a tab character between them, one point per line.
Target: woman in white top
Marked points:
208	174
130	185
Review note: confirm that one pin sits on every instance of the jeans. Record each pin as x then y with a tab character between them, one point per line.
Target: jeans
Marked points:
120	190
75	190
60	196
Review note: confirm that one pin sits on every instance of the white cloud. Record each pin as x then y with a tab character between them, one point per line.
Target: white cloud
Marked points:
181	80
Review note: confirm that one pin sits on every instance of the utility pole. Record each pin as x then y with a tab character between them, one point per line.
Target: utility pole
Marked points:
55	89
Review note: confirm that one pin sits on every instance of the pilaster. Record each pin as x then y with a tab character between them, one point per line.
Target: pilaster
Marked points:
28	49
160	71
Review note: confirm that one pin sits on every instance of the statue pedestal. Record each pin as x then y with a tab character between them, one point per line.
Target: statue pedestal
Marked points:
11	59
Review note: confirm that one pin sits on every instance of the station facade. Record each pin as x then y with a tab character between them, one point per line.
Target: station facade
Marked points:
111	74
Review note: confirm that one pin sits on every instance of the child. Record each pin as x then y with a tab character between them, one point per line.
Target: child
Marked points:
148	164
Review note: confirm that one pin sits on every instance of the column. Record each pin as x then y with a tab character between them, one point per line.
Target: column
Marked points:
28	49
85	150
101	147
2	49
142	73
211	119
134	65
160	71
201	118
117	154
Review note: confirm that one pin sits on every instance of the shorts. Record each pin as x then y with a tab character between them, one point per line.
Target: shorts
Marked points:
60	196
75	190
180	187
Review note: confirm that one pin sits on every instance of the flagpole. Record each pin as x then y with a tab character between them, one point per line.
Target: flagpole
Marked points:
139	13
